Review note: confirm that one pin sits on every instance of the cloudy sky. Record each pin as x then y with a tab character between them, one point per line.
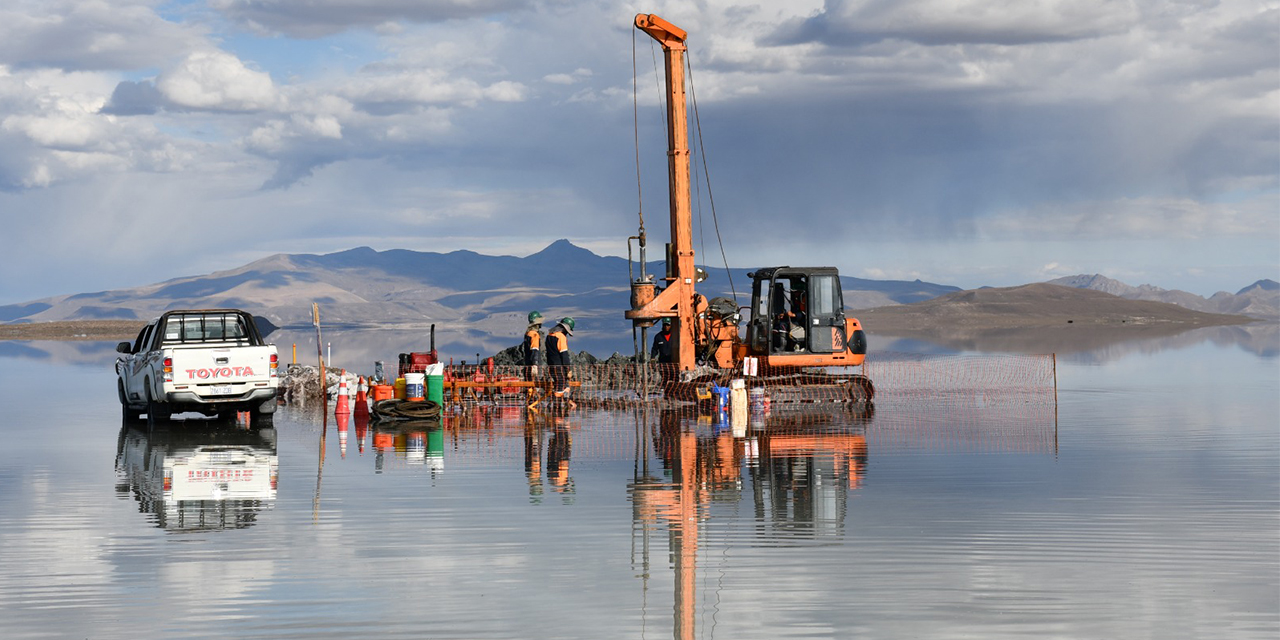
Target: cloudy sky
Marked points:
965	142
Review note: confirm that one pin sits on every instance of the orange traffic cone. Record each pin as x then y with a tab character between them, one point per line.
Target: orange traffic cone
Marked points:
362	399
343	402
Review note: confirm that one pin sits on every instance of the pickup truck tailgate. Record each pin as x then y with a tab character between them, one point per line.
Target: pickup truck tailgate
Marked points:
214	373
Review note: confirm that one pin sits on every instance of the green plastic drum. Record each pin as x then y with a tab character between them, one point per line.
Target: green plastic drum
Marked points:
435	389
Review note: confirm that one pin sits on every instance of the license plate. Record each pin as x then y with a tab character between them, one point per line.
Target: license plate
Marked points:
220	389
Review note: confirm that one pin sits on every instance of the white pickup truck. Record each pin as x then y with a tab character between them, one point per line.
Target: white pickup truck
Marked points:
210	361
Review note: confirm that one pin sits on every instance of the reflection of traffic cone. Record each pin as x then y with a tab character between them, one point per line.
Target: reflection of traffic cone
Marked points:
342	436
343	404
362	400
362	427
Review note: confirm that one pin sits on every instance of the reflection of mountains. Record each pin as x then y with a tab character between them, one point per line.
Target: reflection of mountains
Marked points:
355	349
1261	339
358	349
1103	344
198	476
1258	339
61	351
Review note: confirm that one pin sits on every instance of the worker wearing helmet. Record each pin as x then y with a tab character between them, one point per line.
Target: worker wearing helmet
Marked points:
533	346
558	355
661	350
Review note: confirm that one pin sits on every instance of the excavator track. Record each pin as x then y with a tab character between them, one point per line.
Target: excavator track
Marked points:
808	388
785	389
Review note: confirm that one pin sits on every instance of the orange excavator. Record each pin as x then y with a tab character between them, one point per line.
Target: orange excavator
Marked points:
796	326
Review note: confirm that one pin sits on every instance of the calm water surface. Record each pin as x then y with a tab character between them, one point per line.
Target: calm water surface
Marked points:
1147	505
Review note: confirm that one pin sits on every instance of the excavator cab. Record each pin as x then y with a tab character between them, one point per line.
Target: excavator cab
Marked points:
798	313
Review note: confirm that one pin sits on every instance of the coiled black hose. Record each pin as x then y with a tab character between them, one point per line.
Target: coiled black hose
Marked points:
392	410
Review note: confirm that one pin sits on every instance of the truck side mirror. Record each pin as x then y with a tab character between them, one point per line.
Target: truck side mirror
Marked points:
124	347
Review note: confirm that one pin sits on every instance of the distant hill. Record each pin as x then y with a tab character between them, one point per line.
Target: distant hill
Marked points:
473	298
1041	304
1259	300
1038	318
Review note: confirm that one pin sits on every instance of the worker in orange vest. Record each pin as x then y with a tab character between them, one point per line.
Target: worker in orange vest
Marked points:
533	346
558	355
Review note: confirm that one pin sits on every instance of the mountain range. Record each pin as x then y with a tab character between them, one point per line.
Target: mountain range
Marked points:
1258	300
479	301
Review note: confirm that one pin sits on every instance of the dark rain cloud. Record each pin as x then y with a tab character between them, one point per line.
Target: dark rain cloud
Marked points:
933	23
134	98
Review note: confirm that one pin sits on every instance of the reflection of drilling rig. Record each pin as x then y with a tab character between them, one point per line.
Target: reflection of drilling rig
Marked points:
796	320
787	464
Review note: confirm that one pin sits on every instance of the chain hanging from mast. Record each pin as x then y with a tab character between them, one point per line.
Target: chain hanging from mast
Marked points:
635	121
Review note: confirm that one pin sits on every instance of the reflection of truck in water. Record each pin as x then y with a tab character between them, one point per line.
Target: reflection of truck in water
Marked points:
212	361
211	476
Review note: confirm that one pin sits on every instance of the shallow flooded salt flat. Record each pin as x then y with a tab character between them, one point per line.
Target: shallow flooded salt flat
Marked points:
1146	504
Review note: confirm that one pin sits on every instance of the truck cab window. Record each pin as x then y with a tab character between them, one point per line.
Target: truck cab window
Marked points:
235	328
141	340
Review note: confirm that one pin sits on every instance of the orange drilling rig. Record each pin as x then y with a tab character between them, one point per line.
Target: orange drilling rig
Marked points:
796	327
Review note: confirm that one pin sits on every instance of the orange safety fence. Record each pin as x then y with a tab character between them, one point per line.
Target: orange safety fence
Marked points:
952	380
982	380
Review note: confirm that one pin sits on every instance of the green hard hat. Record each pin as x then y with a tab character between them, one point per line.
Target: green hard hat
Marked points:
535	316
666	322
568	323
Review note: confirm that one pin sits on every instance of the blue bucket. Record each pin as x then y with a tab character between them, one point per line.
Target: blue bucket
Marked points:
722	396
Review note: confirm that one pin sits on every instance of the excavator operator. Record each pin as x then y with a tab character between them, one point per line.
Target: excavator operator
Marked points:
790	316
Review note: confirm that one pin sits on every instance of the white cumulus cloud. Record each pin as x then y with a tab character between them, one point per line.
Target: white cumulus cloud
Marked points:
217	80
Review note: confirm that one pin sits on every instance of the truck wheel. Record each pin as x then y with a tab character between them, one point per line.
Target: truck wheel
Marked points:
157	412
128	413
